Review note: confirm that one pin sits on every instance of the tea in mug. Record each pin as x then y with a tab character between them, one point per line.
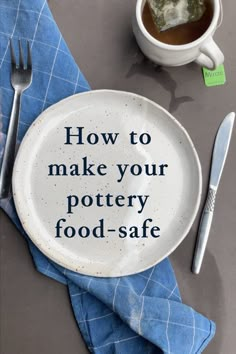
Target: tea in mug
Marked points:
183	33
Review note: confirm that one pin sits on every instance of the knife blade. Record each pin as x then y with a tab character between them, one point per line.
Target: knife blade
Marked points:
220	152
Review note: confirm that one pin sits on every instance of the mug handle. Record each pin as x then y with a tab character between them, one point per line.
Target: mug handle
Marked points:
211	56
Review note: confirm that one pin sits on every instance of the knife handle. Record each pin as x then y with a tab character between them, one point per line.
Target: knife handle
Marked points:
203	231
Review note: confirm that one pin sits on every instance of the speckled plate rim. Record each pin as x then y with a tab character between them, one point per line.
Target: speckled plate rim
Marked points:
23	212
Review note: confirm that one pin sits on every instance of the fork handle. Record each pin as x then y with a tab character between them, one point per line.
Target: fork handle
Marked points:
10	147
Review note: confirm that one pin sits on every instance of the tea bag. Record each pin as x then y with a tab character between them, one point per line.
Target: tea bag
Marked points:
170	13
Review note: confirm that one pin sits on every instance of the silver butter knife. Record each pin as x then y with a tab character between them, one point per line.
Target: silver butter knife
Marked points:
221	148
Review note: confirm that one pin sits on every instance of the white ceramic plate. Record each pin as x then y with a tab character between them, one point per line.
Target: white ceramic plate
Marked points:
41	200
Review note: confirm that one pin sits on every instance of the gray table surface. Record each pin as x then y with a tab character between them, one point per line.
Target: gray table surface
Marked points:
36	315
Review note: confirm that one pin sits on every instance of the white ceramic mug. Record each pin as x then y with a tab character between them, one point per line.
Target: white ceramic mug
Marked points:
203	50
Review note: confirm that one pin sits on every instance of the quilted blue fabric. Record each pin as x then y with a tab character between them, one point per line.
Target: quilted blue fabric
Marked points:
137	314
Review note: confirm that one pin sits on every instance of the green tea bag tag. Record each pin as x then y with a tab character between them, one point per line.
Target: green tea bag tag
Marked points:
214	77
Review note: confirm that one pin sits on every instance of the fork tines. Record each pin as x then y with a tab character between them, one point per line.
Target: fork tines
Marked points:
21	64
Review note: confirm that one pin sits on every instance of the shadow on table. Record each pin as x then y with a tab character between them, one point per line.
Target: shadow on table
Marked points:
203	292
145	67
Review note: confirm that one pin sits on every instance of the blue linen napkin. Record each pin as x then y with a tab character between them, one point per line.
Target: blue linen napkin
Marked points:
137	314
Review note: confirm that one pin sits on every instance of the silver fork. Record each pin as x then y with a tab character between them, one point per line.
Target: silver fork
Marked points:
21	78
